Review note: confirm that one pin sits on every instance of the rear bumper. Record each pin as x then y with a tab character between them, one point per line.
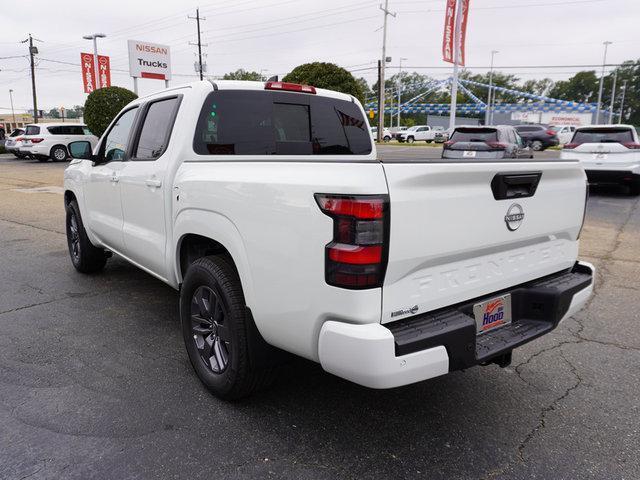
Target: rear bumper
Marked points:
432	344
613	176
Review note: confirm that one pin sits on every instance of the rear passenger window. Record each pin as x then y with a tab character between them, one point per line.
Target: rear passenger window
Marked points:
156	129
55	130
279	123
75	130
32	130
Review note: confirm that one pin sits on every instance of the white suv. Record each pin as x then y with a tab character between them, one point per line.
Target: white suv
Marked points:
419	132
51	140
608	153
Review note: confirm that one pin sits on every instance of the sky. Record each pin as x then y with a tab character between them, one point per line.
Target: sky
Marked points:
274	36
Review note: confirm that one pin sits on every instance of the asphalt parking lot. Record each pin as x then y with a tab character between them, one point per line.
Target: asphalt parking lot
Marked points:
95	382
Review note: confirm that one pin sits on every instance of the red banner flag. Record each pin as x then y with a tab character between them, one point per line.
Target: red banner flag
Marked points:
463	32
104	74
88	72
449	31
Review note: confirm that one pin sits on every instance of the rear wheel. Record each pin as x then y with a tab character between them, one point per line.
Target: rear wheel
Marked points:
216	330
411	140
58	153
387	139
85	257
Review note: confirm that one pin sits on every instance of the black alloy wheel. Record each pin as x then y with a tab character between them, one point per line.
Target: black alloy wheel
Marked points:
209	327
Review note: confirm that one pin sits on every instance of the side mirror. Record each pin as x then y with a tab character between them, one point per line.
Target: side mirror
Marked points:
81	150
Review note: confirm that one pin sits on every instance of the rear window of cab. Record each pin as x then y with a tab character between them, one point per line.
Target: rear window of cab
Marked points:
247	122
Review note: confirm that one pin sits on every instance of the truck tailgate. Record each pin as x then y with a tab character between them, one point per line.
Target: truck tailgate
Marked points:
450	240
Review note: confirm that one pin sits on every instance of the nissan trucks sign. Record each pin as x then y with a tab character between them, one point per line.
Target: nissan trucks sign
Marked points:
149	60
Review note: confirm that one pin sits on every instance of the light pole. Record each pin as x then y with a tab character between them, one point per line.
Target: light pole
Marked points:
613	95
262	77
488	117
13	113
624	91
604	62
95	37
400	87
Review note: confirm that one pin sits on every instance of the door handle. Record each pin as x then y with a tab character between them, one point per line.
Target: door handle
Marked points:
153	182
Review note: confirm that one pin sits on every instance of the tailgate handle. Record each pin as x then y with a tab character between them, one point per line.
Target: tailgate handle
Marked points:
515	185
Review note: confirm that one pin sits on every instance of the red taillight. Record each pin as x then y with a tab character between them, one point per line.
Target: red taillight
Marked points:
632	145
36	140
570	146
551	132
289	87
19	139
497	145
356	258
448	143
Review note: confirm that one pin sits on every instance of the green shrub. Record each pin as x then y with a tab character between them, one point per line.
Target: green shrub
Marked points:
2	149
326	75
103	105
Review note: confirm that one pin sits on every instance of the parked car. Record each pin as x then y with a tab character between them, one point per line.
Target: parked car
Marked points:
44	141
11	141
395	131
563	132
442	136
540	137
608	153
486	143
265	205
386	134
418	133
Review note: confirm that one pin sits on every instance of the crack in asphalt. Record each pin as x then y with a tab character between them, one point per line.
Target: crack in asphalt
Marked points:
32	226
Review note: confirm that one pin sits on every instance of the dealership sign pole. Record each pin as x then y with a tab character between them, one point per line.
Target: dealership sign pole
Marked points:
453	45
149	60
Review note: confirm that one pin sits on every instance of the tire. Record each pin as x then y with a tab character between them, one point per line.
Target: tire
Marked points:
634	189
411	140
428	141
85	257
537	146
386	139
216	328
58	153
18	155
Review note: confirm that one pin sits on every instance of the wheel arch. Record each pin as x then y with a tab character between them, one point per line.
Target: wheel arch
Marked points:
66	149
200	233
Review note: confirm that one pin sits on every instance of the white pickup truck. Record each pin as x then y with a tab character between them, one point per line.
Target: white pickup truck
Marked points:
419	133
266	206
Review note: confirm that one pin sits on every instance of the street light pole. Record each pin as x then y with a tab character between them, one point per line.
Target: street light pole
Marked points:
613	95
381	82
604	62
400	88
13	113
624	91
488	117
95	37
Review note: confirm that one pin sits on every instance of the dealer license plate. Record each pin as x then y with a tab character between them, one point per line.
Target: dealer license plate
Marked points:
493	313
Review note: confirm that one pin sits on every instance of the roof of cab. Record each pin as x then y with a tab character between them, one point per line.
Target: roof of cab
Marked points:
615	125
241	85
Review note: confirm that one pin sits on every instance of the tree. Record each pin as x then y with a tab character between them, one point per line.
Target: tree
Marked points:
582	87
242	74
103	105
538	87
53	113
326	75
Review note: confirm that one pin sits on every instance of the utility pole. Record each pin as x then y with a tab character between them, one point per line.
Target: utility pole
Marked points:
399	88
624	91
13	113
32	51
381	84
456	60
613	95
604	62
197	18
488	117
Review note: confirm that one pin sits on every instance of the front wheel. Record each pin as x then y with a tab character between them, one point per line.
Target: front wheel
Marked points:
386	139
216	330
85	257
428	141
411	140
536	145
